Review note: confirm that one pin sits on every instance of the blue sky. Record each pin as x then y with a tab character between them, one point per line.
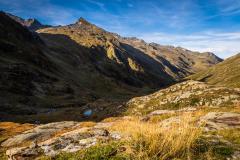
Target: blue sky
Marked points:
201	25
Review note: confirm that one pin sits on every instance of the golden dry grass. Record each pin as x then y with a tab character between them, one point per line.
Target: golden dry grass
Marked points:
153	141
10	128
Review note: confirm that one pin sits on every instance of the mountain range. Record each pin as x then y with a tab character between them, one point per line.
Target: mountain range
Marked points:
48	69
80	92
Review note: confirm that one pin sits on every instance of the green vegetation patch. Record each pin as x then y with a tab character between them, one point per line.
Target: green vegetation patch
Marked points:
111	151
232	135
204	148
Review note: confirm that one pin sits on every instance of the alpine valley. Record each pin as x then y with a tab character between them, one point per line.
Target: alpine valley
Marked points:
80	92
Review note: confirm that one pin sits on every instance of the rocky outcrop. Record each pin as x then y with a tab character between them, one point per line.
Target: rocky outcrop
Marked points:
188	94
39	133
54	138
220	120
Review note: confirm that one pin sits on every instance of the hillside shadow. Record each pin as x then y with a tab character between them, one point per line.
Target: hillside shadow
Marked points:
153	68
118	84
205	78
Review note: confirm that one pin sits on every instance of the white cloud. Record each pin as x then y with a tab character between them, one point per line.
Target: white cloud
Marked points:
97	3
223	44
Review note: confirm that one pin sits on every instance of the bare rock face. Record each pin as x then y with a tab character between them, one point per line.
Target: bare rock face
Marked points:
160	112
41	132
74	140
220	120
23	153
53	138
170	121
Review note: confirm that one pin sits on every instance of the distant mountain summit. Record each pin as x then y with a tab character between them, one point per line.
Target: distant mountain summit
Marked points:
177	61
31	23
82	21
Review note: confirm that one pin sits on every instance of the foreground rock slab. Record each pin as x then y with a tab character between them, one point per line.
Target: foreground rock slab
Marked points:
41	132
220	120
53	138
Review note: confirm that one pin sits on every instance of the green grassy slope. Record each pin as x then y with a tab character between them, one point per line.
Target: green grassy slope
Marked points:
226	73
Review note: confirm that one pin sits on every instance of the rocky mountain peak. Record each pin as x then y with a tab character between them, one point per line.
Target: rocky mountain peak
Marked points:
31	23
82	21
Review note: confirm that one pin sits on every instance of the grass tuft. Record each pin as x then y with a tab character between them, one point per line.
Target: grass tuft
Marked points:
152	141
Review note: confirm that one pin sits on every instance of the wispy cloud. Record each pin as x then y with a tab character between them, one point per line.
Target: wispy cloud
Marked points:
229	7
224	44
225	8
99	4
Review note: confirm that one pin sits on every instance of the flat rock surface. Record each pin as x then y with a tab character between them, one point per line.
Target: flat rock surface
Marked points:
53	138
39	133
220	120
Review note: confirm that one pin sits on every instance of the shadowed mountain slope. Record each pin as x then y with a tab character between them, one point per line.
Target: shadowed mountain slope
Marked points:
177	61
37	81
152	64
109	56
